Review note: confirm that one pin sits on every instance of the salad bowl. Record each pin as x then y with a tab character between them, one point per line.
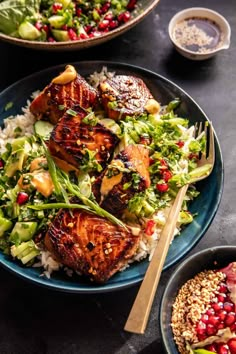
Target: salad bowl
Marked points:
204	206
143	8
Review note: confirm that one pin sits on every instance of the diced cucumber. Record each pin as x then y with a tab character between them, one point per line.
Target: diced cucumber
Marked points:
111	124
60	35
57	21
43	128
23	231
5	225
25	252
28	31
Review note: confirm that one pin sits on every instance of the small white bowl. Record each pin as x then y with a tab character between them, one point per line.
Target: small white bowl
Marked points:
206	14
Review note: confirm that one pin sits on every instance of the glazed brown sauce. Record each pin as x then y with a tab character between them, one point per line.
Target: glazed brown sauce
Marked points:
200	35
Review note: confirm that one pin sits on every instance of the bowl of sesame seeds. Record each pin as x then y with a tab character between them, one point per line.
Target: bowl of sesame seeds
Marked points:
199	33
198	312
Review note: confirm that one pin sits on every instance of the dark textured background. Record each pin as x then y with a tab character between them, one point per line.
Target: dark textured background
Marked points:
36	320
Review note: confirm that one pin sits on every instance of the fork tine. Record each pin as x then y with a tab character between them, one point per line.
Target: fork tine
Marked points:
211	152
197	129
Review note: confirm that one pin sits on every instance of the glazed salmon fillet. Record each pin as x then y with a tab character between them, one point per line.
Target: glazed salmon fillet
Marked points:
126	175
66	90
71	139
124	96
89	244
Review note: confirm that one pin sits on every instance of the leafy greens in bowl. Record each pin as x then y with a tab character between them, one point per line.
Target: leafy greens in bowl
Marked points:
164	91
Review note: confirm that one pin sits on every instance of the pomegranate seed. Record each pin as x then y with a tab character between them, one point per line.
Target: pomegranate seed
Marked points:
180	143
51	40
79	11
217	306
22	198
108	17
210	329
223	349
233	327
213	320
221	297
221	326
83	36
223	288
46	28
56	7
204	318
145	140
222	314
232	345
151	161
162	187
228	306
210	312
201	328
120	17
166	175
73	36
103	25
113	24
1	163
230	318
131	4
126	16
38	25
105	7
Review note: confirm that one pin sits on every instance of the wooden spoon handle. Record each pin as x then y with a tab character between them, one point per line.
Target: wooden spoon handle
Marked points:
141	308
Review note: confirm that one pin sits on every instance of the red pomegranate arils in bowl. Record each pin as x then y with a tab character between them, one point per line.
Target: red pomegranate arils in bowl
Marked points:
204	313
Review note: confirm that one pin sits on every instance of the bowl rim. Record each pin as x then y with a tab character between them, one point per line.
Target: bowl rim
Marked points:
85	43
178	270
206	10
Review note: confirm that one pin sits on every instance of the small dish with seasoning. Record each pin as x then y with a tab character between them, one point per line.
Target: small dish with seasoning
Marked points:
199	33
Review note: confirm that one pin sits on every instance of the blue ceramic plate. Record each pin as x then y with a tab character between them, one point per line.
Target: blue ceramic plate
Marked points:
205	205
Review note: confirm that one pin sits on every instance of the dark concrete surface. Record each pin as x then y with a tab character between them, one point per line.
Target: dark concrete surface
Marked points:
34	320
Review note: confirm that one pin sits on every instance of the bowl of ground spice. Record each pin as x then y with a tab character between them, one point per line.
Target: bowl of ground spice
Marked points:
198	312
199	33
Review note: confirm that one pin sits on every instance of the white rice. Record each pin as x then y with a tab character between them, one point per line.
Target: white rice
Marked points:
24	121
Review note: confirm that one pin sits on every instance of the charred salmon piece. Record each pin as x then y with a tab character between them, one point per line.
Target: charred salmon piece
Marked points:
126	96
89	244
64	91
73	141
126	175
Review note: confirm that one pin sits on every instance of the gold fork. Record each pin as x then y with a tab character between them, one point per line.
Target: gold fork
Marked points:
139	314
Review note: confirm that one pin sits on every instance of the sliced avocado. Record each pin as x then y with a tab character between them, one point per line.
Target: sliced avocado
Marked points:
56	21
5	224
43	128
64	3
20	149
23	231
28	31
60	35
14	163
